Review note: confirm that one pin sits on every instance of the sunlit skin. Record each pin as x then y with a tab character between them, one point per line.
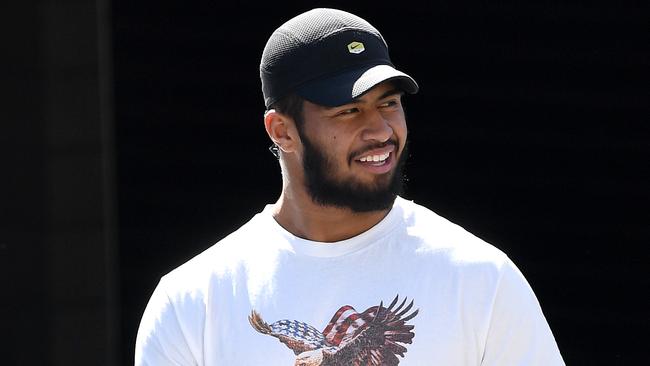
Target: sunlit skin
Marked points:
345	134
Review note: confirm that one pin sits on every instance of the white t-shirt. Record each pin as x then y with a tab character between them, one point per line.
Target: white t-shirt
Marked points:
320	301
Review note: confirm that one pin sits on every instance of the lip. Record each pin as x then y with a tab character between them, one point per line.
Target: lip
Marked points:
370	167
377	151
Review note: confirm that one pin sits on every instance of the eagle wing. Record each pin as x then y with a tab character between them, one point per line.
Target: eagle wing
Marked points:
379	336
296	335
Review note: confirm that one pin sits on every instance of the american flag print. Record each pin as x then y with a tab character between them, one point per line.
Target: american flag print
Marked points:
374	337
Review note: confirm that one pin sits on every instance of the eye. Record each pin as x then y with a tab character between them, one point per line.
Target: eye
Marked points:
348	111
389	103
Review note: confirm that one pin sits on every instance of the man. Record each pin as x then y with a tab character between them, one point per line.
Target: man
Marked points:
341	270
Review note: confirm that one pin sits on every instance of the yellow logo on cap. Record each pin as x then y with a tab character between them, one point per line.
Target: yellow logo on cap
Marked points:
356	47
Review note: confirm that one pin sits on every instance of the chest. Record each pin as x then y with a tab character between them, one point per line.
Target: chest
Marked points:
287	320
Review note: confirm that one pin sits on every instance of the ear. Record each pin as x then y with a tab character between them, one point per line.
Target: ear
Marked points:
281	129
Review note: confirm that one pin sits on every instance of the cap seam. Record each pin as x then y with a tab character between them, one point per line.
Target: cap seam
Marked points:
346	29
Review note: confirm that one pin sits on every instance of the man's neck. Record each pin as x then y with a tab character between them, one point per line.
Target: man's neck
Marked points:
302	217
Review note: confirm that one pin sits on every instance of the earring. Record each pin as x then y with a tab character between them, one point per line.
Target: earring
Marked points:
275	151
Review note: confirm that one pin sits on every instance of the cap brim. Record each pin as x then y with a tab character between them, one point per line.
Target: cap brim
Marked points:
345	87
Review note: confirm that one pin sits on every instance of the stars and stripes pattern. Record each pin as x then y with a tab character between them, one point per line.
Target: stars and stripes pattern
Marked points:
346	323
300	331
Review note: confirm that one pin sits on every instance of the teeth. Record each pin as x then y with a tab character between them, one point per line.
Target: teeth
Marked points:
375	158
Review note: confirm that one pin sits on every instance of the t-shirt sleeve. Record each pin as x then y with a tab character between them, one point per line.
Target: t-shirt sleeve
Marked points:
160	339
518	333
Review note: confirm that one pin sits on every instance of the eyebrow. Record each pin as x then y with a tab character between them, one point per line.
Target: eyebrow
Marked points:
391	92
388	93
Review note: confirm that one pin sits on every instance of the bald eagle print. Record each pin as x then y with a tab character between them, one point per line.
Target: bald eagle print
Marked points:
374	337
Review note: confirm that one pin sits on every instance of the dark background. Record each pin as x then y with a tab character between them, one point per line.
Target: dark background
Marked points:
133	140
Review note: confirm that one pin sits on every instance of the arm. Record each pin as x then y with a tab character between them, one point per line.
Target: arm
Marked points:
518	333
161	340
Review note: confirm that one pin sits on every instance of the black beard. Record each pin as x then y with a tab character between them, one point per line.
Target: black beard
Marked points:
348	193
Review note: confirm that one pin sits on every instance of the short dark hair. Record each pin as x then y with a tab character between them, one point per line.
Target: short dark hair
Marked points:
292	106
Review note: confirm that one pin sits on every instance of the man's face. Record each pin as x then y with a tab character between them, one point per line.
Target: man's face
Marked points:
353	154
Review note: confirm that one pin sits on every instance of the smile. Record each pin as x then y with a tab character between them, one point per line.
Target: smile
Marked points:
378	160
375	158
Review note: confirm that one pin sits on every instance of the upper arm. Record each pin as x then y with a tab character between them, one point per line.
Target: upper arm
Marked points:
161	339
518	333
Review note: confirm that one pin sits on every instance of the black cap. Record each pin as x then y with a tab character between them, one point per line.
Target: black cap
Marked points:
328	57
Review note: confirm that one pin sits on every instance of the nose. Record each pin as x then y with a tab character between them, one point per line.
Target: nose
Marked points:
377	128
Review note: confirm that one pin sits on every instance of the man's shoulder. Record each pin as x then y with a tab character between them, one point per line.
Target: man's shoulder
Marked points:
224	256
435	234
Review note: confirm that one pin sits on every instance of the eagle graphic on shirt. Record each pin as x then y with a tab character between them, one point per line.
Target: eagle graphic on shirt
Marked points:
371	338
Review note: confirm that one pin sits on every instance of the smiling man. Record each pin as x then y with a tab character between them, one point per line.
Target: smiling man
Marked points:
345	270
344	163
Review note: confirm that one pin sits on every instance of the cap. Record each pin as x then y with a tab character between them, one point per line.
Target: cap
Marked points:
328	57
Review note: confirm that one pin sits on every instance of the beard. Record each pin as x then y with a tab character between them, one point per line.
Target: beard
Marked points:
349	193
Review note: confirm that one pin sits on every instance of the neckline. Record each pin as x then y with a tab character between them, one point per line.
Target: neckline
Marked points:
312	248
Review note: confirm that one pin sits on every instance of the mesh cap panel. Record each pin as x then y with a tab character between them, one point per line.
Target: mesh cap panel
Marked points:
314	46
321	23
